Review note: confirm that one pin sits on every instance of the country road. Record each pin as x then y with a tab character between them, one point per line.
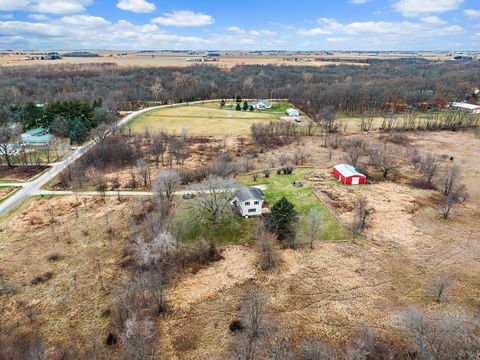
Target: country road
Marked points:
33	187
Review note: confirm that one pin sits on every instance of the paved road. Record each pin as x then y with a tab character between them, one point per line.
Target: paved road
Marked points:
33	187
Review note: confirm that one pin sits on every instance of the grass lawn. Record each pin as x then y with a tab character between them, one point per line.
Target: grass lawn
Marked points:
304	199
207	119
187	230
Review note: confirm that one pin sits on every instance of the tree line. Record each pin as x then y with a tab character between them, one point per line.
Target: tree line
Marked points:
381	86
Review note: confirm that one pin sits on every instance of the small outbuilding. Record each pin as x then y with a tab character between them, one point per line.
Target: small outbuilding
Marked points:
262	104
249	201
292	112
347	174
465	107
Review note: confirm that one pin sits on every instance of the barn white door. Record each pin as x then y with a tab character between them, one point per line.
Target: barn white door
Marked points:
355	181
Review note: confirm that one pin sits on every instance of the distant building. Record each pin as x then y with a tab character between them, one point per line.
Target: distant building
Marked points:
465	107
249	201
34	132
348	175
36	137
262	104
292	112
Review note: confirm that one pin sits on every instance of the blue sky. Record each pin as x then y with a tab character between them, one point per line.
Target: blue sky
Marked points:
242	25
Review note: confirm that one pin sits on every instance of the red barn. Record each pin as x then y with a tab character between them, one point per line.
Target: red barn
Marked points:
347	174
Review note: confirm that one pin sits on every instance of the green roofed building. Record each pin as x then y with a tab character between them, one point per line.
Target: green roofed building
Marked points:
36	137
42	140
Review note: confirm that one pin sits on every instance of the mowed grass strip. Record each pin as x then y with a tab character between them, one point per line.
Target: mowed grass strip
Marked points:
200	120
304	199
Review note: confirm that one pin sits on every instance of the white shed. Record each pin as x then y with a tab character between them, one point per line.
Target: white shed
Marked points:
249	201
465	107
292	112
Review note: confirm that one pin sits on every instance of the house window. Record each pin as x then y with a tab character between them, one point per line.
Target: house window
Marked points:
256	202
247	203
252	210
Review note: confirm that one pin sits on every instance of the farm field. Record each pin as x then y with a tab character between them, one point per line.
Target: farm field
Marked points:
227	60
208	120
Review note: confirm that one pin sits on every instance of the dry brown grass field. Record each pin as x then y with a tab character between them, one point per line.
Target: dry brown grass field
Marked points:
227	59
331	291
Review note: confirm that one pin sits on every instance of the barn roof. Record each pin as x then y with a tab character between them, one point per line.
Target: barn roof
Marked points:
465	106
246	193
347	170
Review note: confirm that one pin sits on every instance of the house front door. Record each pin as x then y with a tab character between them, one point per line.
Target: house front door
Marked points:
355	181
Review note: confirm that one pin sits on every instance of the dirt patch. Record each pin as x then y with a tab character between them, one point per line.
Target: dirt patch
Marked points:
20	173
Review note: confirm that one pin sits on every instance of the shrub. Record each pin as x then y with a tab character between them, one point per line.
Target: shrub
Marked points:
39	279
53	256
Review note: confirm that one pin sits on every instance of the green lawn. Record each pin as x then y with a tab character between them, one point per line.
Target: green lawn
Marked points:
304	199
186	229
207	119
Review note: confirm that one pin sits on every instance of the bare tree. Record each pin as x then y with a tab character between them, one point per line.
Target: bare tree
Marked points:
384	160
440	285
361	212
450	180
101	184
315	349
144	171
212	200
447	202
138	339
353	155
99	133
250	341
166	183
314	225
428	168
8	134
267	248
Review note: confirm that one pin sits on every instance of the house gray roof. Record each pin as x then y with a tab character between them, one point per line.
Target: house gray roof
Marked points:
246	193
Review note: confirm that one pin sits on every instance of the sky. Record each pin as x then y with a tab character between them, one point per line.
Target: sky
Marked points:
416	25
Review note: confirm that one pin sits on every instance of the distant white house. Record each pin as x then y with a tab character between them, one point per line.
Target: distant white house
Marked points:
248	201
465	107
262	104
292	112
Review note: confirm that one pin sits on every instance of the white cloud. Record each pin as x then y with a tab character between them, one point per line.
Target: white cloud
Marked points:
433	20
473	13
428	26
236	30
46	6
419	7
262	32
336	40
13	5
6	16
314	32
39	17
85	20
136	6
184	18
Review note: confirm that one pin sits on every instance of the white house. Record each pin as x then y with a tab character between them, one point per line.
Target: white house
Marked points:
292	112
262	104
465	107
249	201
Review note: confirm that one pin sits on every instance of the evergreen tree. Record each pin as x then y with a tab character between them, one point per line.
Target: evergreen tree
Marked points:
239	99
245	105
238	107
222	103
251	108
282	221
